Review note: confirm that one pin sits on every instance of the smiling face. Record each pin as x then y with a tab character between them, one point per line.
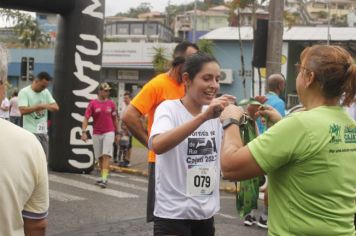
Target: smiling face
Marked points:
205	85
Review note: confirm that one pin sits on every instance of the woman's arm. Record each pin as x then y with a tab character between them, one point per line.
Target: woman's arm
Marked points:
164	142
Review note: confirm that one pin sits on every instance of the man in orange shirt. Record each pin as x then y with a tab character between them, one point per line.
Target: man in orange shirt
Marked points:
162	87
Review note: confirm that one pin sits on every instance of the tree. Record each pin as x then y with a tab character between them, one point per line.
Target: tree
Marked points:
206	46
144	7
29	32
236	5
211	3
160	62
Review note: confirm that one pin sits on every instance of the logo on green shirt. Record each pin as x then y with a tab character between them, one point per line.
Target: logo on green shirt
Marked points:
335	133
350	134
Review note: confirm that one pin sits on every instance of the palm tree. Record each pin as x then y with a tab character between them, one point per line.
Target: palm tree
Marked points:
206	46
160	62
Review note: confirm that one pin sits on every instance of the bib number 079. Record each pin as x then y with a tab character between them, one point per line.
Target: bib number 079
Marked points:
202	181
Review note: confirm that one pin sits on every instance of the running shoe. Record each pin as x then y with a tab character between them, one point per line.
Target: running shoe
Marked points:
250	220
103	184
262	223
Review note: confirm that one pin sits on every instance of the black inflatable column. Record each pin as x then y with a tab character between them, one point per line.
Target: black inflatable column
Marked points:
77	73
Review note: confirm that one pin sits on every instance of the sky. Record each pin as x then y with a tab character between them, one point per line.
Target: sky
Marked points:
114	6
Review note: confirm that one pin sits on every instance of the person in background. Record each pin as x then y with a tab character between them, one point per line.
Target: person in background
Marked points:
34	103
352	110
186	136
105	130
125	135
276	85
4	107
24	193
15	114
162	87
309	156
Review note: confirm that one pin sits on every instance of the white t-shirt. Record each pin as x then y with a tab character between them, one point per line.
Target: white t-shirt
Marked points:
352	110
23	179
14	111
5	104
187	176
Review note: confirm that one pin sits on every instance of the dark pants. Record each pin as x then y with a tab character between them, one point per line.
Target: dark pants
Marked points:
43	138
151	195
184	227
16	120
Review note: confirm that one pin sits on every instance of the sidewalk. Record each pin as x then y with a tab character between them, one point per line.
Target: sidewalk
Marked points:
139	166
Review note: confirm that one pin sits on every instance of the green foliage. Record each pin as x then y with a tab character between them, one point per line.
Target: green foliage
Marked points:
290	19
134	12
27	28
206	46
116	40
160	62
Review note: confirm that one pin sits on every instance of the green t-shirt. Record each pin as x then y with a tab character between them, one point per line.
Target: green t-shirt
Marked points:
310	159
35	122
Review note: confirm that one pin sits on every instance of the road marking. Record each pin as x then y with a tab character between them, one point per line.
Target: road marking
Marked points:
136	179
119	183
227	216
118	175
63	197
89	187
141	180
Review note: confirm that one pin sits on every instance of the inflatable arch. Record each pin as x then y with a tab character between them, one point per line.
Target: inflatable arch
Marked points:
78	56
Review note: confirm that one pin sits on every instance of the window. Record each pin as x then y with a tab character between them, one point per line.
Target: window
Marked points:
151	29
108	30
136	29
122	28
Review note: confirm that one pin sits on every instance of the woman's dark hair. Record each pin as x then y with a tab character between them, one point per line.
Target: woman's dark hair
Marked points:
334	71
194	63
15	93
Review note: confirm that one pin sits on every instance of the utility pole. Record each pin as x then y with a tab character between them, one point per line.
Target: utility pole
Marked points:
275	38
328	36
194	37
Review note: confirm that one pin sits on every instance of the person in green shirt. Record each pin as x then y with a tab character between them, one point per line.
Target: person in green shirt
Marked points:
34	102
309	156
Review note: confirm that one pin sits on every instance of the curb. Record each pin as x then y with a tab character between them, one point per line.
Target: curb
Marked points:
230	188
128	170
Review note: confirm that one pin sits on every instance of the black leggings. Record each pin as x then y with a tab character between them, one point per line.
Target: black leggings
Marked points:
184	227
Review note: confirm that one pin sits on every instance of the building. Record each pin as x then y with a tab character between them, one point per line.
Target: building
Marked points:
127	66
124	29
351	19
206	21
245	16
337	10
153	16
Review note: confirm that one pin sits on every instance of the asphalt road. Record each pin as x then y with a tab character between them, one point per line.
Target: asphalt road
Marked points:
78	207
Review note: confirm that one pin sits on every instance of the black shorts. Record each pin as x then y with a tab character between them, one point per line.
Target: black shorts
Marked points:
184	227
151	192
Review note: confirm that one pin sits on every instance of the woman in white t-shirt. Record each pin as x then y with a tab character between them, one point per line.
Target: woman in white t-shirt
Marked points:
4	108
186	136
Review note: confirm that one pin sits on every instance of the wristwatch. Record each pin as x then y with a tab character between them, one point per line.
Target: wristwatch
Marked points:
227	122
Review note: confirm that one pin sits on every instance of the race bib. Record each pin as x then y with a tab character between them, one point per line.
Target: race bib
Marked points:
201	180
41	127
